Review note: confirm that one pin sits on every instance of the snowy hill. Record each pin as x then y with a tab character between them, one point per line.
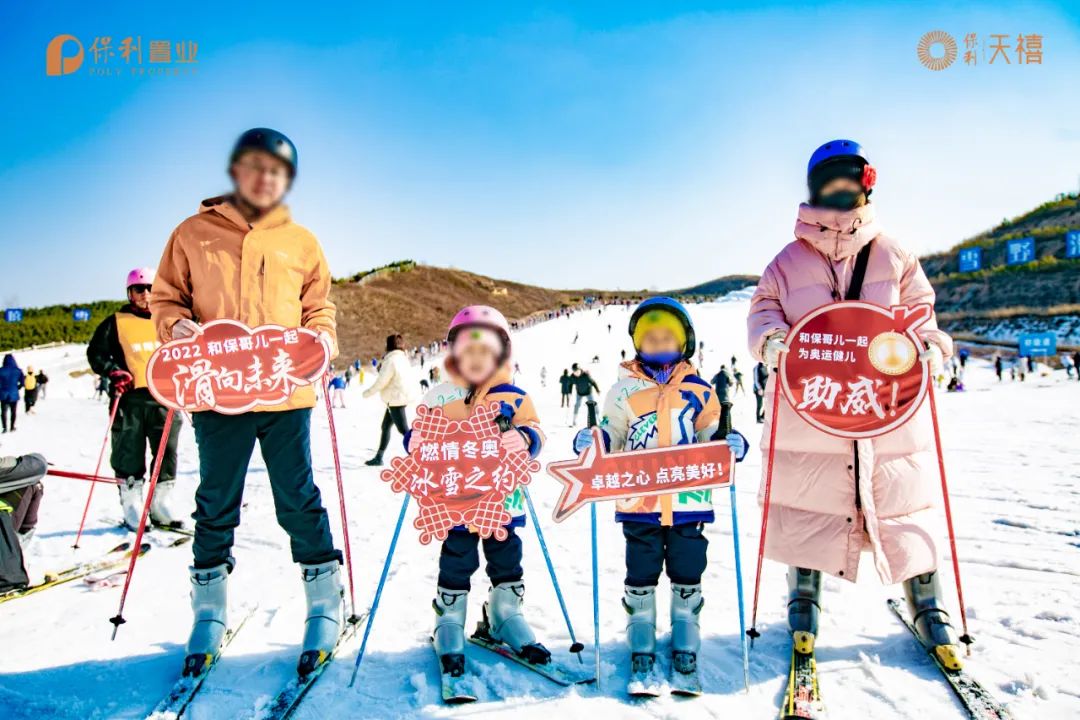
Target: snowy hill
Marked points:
1012	456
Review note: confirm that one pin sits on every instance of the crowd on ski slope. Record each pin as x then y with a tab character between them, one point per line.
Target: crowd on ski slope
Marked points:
242	256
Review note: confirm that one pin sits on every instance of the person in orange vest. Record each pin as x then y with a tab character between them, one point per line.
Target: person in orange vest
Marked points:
119	350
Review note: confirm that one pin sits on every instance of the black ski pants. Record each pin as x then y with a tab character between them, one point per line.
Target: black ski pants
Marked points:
139	422
650	549
393	417
460	558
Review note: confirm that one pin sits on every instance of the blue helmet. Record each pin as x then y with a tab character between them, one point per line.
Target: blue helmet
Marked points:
270	141
674	307
836	149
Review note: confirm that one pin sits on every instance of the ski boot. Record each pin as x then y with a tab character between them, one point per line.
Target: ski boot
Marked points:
160	512
503	621
930	619
804	607
131	501
686	604
209	595
322	628
640	606
449	637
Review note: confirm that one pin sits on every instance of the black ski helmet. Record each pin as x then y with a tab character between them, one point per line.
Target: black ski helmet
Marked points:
267	140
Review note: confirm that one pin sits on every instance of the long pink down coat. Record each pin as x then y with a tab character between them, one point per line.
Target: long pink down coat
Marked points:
815	520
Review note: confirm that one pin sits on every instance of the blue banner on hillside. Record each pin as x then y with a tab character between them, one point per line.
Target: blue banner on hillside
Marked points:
13	315
1042	343
81	314
1072	244
1021	250
970	259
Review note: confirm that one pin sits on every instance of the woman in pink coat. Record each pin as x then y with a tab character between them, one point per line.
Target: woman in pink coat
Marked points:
834	498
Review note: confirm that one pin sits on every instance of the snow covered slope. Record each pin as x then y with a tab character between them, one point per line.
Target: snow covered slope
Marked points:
1012	451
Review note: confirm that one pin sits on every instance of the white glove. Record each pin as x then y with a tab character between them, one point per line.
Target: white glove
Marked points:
583	440
738	445
933	357
184	328
774	345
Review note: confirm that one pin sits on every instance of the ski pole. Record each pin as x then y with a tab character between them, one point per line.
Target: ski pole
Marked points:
966	637
353	618
97	468
752	632
575	647
379	589
53	472
739	583
159	457
591	405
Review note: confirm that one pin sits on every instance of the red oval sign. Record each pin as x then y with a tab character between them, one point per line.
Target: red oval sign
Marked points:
230	368
853	369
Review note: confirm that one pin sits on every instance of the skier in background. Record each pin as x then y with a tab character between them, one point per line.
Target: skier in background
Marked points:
566	385
478	368
396	389
723	381
337	390
1076	363
999	365
248	240
659	401
11	381
30	390
832	498
42	382
761	379
119	350
584	385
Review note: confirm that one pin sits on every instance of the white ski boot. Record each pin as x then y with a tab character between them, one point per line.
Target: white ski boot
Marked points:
505	623
449	636
209	596
160	512
131	501
640	606
804	607
930	619
322	628
686	604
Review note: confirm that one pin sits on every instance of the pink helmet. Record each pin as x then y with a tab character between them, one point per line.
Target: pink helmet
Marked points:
479	316
140	276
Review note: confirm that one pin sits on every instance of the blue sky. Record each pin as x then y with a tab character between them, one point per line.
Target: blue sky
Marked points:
619	144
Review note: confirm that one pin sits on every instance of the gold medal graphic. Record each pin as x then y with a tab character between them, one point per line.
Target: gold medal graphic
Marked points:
892	353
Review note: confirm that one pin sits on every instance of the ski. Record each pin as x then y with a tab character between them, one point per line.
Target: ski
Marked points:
114	558
453	687
685	684
177	528
553	671
285	702
976	699
185	689
802	699
644	683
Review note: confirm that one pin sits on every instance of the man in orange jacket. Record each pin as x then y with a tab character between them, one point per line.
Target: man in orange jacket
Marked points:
242	257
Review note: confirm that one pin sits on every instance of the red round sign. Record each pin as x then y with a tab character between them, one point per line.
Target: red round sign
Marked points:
230	368
852	368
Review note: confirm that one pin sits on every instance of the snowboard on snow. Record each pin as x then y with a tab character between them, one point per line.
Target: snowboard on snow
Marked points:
285	702
976	699
184	690
115	558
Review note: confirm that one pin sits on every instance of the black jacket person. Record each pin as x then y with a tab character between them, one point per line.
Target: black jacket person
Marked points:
120	350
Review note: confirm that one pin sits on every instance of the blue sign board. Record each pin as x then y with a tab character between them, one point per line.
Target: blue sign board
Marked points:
81	314
1042	343
1072	244
13	315
1020	251
970	259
